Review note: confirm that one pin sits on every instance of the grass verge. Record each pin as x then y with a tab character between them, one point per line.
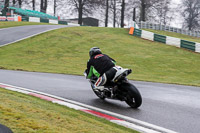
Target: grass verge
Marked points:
27	114
174	34
6	24
66	51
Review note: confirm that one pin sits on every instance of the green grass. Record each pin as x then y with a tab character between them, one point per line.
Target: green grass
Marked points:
66	51
27	114
177	35
6	24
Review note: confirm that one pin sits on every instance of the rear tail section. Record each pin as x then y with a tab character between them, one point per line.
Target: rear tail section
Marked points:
121	74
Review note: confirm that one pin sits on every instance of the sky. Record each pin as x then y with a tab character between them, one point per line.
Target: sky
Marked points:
177	22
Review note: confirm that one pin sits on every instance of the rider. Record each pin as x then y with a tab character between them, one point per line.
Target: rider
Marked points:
103	67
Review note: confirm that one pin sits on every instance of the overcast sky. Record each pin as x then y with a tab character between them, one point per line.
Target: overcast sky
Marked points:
177	22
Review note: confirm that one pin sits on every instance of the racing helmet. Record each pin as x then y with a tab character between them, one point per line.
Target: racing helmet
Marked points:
94	51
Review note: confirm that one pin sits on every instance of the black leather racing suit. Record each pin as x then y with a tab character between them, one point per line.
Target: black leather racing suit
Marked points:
101	63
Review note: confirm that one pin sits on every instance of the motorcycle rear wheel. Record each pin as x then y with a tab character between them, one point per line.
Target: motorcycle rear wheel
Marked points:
133	97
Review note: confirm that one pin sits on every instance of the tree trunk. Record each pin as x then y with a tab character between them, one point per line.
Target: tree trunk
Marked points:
106	19
80	12
143	6
114	14
122	13
134	14
54	7
14	2
33	2
20	3
190	26
5	9
41	6
45	6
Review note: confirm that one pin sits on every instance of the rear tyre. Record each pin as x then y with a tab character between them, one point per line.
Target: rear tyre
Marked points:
133	97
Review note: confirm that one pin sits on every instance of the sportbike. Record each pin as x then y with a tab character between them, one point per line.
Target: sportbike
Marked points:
119	89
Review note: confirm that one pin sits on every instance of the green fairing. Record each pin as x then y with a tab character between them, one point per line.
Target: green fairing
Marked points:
114	62
93	71
96	73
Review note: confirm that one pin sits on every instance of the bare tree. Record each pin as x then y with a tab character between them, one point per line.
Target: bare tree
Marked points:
114	13
113	6
118	18
33	4
122	13
161	12
14	2
132	11
191	13
6	5
106	16
83	7
28	4
147	8
143	9
80	5
20	3
162	9
43	6
58	4
54	7
114	10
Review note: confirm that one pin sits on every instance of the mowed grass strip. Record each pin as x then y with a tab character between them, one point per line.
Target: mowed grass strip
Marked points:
27	114
6	24
66	51
177	35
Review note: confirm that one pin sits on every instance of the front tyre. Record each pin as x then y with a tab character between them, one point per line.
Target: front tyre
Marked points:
133	97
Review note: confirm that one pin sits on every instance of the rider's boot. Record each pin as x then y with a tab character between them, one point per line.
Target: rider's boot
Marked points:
101	88
100	82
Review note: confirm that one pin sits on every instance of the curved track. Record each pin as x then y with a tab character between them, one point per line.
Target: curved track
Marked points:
174	107
13	34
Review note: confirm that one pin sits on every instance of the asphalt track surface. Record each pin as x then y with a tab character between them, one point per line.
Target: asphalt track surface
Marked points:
5	129
12	34
174	107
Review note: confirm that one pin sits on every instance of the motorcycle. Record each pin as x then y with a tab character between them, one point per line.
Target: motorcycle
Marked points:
120	89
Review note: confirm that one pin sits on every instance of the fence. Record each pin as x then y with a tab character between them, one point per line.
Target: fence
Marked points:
146	25
193	46
43	20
